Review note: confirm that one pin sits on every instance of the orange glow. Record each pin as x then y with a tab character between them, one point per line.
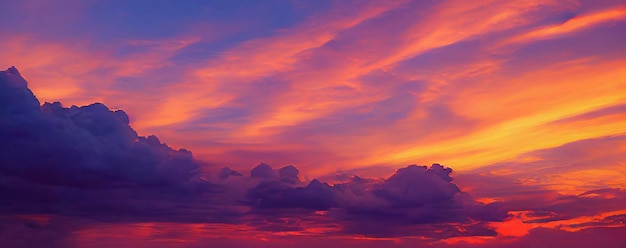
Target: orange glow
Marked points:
521	223
514	227
486	200
573	25
467	240
518	133
577	182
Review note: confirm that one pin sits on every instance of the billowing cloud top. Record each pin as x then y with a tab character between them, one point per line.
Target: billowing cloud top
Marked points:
89	146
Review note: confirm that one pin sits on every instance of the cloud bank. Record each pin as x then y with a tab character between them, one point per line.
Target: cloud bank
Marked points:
88	161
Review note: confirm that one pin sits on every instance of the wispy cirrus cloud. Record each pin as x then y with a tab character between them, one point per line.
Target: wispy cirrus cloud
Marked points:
403	78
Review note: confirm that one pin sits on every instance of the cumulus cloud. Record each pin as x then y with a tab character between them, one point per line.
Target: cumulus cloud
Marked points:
263	171
416	186
289	174
414	195
88	146
415	200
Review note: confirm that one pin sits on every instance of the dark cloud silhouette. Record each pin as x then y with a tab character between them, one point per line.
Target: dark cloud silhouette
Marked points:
228	172
263	171
416	186
89	146
413	195
289	174
15	97
274	194
87	161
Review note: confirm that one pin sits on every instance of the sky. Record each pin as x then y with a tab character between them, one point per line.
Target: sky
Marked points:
313	123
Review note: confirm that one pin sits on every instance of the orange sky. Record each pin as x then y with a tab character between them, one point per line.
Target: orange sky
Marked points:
525	100
380	85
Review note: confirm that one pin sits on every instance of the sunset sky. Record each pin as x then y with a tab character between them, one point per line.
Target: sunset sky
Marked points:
524	100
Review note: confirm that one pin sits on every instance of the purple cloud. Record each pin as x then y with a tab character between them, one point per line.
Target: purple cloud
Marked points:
89	146
263	171
415	195
85	160
228	172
